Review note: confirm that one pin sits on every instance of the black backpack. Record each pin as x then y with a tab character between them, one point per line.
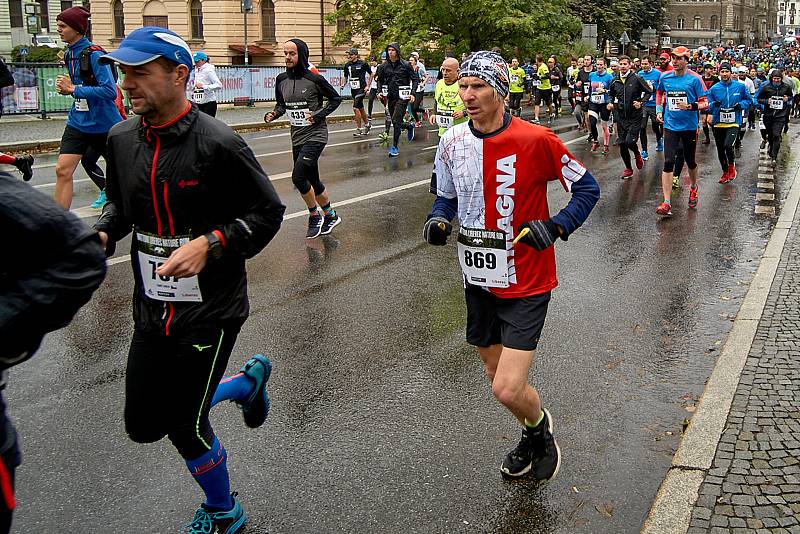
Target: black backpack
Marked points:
85	65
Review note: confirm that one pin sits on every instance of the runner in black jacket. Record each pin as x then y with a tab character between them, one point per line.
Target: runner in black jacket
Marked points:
51	265
401	83
199	204
630	92
775	97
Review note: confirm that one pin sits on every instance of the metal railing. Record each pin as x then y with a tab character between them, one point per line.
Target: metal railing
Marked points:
35	89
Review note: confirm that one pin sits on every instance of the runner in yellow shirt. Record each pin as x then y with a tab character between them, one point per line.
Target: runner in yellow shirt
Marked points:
544	92
516	87
448	107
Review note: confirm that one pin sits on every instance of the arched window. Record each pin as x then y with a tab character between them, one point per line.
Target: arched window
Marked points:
119	19
698	22
713	22
197	19
680	22
155	14
268	21
341	22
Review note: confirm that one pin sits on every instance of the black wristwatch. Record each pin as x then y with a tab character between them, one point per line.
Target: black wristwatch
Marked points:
215	248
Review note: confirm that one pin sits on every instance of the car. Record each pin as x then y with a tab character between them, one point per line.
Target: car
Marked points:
46	40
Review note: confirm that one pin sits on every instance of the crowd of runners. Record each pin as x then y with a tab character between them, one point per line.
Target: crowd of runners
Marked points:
491	172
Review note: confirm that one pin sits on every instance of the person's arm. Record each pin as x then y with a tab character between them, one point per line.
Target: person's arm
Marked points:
56	265
333	96
760	95
112	220
745	101
106	88
214	79
438	225
261	212
647	92
280	104
414	78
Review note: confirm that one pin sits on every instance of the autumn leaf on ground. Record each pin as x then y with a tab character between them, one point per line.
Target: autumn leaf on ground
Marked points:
606	509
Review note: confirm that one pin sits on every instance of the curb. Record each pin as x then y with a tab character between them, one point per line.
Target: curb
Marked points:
672	509
47	145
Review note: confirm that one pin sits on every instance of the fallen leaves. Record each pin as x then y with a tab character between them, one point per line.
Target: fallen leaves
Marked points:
605	509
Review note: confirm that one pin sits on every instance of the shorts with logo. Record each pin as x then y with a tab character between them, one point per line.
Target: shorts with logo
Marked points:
358	99
602	112
74	141
516	323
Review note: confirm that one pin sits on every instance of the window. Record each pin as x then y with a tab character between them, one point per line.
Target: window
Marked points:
15	13
119	19
197	19
783	6
780	20
66	4
45	18
791	20
155	14
268	21
342	22
698	22
680	22
712	23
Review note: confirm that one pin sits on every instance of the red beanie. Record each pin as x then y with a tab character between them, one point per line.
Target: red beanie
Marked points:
77	18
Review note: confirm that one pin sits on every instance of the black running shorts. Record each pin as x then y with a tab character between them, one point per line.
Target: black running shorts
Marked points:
516	323
543	96
74	141
358	99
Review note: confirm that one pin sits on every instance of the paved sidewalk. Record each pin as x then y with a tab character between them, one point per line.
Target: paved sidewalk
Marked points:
754	482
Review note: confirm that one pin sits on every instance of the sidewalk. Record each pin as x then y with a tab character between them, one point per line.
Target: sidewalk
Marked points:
743	476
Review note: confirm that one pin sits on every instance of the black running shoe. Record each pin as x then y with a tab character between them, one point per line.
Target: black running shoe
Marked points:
314	226
537	453
329	222
25	166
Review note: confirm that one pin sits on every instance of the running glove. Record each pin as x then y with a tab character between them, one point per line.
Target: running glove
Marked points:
542	234
437	230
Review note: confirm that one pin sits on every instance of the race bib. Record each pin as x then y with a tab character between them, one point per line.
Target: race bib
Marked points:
775	102
355	84
384	90
152	252
761	124
536	83
404	91
676	98
556	88
514	78
483	257
598	98
727	115
199	96
296	111
527	77
81	104
444	118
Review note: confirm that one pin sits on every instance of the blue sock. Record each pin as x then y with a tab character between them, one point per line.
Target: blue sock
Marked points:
236	388
211	471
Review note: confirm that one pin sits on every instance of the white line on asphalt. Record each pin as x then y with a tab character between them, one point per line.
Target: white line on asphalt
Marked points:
326	146
331	132
672	508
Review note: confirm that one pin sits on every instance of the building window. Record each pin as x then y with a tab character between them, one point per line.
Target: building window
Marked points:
268	21
342	22
680	22
15	13
45	18
712	23
119	19
155	20
698	22
66	4
197	19
780	20
783	6
791	20
155	14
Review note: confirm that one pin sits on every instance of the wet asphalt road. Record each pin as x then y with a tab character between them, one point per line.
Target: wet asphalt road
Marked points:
382	420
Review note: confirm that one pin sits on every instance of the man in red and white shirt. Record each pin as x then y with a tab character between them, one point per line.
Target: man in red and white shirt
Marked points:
492	173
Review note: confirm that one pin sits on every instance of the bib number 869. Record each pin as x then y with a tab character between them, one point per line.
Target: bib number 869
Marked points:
480	260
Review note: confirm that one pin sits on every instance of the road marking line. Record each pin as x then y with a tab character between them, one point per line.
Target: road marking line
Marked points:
327	146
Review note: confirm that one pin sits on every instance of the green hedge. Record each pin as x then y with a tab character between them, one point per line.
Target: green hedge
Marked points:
36	54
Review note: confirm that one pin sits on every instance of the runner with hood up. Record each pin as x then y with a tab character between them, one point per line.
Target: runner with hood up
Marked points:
299	92
401	82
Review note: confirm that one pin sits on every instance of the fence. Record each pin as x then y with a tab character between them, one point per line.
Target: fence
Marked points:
35	92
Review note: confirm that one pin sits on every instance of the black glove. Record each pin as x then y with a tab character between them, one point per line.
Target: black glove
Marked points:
542	234
437	230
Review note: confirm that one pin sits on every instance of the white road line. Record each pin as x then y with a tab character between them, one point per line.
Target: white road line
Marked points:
327	146
123	259
331	132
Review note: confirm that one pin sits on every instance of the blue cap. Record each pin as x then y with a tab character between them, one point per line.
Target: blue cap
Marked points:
383	55
148	43
200	56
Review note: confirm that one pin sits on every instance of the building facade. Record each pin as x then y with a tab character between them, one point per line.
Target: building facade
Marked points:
711	22
12	21
789	18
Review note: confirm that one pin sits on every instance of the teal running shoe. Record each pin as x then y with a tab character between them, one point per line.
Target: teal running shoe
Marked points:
256	408
209	522
101	200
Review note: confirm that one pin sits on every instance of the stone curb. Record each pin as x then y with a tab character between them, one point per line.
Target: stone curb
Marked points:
672	508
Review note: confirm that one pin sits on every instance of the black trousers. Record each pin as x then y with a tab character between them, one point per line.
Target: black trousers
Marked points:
398	110
725	139
170	381
209	108
774	133
628	135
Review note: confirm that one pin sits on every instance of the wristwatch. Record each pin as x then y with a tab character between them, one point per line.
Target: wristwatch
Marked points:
215	247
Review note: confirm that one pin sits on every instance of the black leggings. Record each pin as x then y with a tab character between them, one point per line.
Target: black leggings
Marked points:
398	110
725	138
628	134
417	106
372	94
650	112
515	103
170	381
683	141
305	173
89	163
209	108
774	133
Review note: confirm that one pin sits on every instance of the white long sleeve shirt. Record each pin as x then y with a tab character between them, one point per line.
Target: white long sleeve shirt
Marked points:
207	75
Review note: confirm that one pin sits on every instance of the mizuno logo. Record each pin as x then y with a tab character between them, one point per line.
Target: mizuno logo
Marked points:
201	348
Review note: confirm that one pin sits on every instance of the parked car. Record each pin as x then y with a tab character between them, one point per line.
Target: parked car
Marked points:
48	41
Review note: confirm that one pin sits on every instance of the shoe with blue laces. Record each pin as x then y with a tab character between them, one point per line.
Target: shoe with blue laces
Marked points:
216	522
644	155
660	146
256	408
101	200
393	152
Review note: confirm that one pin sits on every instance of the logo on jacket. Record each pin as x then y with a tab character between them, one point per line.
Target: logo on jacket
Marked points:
187	183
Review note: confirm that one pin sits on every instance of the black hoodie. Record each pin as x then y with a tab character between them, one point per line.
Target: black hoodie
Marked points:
397	74
300	90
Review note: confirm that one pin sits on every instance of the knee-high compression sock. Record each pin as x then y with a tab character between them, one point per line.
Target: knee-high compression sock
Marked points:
211	472
8	160
235	388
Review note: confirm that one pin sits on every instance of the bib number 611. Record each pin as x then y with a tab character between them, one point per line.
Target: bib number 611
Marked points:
480	260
